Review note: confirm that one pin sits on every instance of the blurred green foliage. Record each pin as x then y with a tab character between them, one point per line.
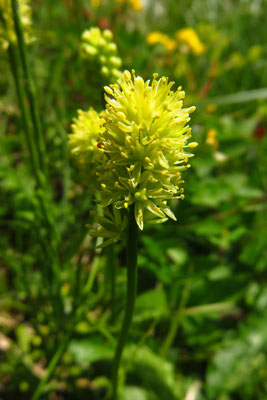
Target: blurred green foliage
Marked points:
199	328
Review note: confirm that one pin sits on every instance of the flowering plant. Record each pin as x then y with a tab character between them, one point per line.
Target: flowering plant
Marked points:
144	144
139	159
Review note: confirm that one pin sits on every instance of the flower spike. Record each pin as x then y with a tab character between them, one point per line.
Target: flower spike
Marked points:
144	143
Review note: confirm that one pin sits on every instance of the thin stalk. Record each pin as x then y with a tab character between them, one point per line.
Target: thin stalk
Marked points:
130	298
14	66
112	269
33	151
37	142
29	87
13	60
176	320
52	365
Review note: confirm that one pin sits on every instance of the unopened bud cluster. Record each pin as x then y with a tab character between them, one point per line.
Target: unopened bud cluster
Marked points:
7	30
98	46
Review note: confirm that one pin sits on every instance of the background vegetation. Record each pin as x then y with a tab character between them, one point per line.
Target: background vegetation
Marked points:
199	329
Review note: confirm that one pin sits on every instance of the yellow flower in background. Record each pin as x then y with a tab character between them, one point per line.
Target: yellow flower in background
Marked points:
135	4
255	53
210	108
95	3
190	37
236	61
7	31
83	142
211	139
162	38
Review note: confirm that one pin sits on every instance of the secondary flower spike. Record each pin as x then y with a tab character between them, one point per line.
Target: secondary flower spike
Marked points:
144	141
83	143
98	46
7	30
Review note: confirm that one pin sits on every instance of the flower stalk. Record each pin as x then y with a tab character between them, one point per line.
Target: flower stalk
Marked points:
131	248
36	147
29	87
24	111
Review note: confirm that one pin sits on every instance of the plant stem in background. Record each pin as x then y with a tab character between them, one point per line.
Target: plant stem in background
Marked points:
177	317
31	143
52	365
130	298
30	87
37	151
75	316
13	60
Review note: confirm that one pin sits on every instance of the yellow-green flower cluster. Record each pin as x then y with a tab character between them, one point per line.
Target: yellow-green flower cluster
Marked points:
83	143
7	31
98	45
144	143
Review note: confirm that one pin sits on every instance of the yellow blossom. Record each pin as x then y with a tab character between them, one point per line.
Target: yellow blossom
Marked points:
135	4
190	37
211	139
162	38
144	142
7	30
210	108
95	3
83	142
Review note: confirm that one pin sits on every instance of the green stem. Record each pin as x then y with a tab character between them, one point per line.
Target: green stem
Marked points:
130	298
29	87
13	60
52	365
33	151
112	273
176	320
37	142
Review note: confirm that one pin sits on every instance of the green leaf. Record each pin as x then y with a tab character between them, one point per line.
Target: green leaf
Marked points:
90	350
155	373
134	393
150	304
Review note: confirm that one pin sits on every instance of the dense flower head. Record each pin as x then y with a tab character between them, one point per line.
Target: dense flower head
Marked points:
83	142
144	139
7	30
98	45
191	39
